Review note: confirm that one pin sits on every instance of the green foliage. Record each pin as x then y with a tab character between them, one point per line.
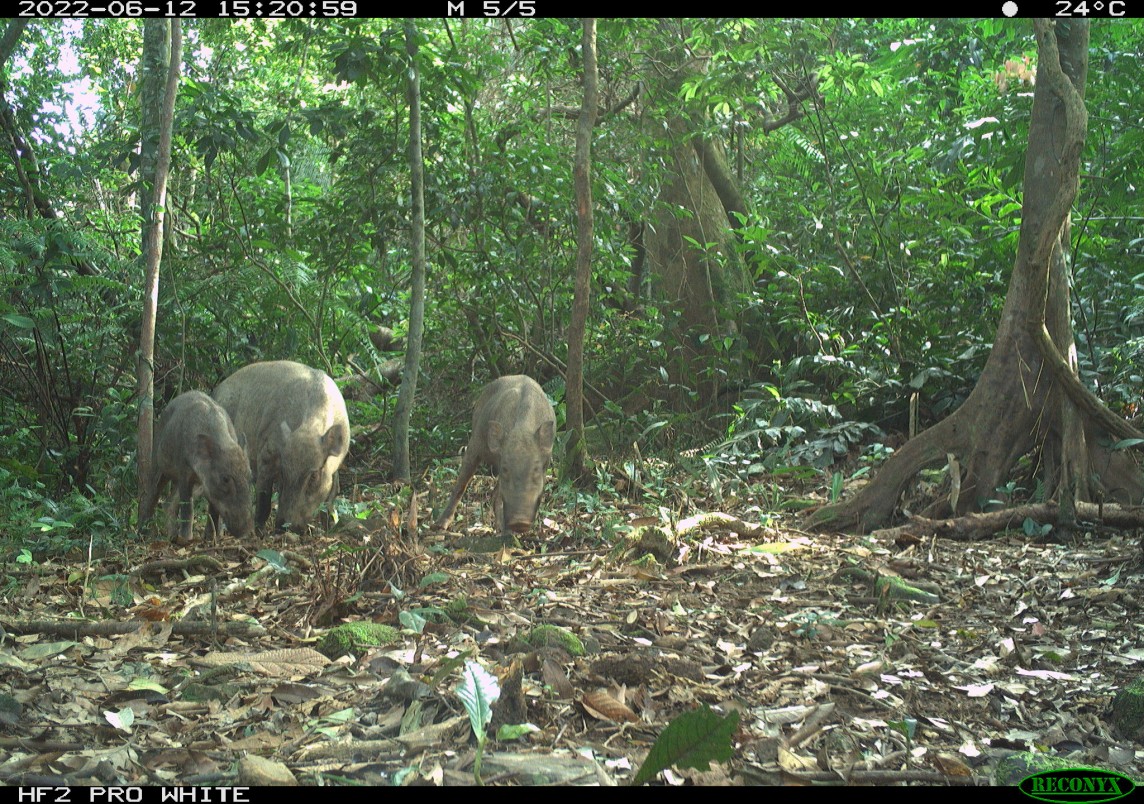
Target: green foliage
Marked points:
693	740
1035	530
514	731
907	727
478	692
771	428
63	342
807	624
33	520
879	230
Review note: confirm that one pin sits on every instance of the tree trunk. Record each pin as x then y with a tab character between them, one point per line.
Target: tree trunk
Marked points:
1028	398
691	253
162	55
716	169
576	456
691	243
407	392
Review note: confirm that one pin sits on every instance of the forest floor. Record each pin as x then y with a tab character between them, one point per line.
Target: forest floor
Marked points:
161	665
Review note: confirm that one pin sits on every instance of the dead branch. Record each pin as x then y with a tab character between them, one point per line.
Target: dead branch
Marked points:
81	628
975	527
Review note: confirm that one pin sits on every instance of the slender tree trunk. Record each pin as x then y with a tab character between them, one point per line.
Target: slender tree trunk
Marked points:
577	454
162	56
1028	398
407	392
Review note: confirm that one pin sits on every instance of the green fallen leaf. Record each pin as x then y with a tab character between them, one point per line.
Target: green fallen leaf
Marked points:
692	740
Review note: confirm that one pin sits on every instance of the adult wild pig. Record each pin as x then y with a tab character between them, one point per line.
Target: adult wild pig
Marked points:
297	434
196	446
513	428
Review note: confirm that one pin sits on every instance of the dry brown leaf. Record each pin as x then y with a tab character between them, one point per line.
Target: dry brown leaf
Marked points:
951	765
293	693
603	706
151	609
796	763
716	776
762	628
552	674
411	519
263	742
151	635
447	732
285	663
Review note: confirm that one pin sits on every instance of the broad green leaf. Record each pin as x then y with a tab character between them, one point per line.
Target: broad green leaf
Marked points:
692	740
147	684
515	731
274	559
19	321
411	621
432	578
478	691
906	727
46	650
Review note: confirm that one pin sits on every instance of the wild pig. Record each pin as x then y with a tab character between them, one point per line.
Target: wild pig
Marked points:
513	429
196	447
297	432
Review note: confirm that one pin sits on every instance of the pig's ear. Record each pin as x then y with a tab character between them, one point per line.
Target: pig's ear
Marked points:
336	440
285	429
496	433
546	434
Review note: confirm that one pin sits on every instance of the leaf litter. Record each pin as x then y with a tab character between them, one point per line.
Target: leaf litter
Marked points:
170	665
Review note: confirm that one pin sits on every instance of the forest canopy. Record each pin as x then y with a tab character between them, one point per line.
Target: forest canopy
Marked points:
804	233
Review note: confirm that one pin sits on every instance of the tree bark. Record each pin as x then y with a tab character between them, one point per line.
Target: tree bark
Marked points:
162	56
8	42
690	251
408	390
722	180
691	246
576	456
1026	400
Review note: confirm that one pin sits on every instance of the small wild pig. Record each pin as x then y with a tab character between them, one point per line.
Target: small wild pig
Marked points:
196	446
513	429
297	434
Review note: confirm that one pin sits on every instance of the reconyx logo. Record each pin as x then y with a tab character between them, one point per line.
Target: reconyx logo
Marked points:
1077	786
